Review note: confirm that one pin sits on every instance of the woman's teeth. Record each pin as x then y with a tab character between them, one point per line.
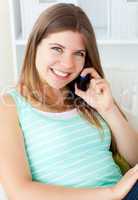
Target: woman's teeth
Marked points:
59	73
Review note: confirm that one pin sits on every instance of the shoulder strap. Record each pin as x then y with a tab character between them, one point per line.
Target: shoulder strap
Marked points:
20	101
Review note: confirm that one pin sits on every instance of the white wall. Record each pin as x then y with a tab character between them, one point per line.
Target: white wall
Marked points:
6	68
6	65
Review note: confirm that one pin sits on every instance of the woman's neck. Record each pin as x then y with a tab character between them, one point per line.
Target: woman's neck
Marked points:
53	100
57	100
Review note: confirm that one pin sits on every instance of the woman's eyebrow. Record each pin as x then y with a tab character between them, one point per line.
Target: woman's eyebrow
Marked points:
57	45
65	47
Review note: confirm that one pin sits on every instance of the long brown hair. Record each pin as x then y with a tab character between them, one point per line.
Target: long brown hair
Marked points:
61	17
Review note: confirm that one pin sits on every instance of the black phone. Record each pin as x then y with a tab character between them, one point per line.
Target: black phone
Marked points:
83	82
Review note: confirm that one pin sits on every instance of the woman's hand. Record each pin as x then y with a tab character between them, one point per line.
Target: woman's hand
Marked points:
121	189
98	95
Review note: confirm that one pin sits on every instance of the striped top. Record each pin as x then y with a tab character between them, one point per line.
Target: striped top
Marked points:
65	149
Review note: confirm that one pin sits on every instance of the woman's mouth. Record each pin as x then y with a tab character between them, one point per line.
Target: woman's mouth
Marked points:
60	74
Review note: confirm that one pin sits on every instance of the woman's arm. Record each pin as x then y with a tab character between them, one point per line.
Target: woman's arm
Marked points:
125	136
38	191
99	96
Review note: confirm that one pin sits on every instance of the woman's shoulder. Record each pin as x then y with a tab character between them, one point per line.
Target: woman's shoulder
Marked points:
12	100
6	101
7	106
11	141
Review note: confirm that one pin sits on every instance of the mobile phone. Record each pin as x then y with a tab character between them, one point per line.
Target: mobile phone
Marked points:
83	82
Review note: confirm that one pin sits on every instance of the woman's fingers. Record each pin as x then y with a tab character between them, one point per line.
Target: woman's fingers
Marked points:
95	87
126	183
98	85
86	95
91	71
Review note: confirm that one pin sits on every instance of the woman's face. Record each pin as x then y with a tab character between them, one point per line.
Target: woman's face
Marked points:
60	58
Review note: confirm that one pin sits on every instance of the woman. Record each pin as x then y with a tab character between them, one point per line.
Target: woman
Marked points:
55	138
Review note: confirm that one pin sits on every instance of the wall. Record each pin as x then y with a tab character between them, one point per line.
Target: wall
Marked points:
6	66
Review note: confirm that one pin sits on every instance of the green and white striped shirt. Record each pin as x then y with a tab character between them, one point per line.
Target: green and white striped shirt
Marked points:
65	149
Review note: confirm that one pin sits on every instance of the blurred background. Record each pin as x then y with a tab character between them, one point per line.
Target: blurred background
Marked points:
116	28
6	59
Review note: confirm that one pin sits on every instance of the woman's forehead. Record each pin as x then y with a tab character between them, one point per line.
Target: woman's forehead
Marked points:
68	39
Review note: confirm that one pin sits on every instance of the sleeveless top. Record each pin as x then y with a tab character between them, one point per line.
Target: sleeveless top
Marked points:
65	149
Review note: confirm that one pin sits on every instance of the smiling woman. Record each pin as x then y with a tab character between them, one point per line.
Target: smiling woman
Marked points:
65	62
55	140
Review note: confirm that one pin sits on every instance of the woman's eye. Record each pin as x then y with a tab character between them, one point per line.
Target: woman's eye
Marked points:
80	54
58	49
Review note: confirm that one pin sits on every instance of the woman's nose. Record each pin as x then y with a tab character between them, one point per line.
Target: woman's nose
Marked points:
67	62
